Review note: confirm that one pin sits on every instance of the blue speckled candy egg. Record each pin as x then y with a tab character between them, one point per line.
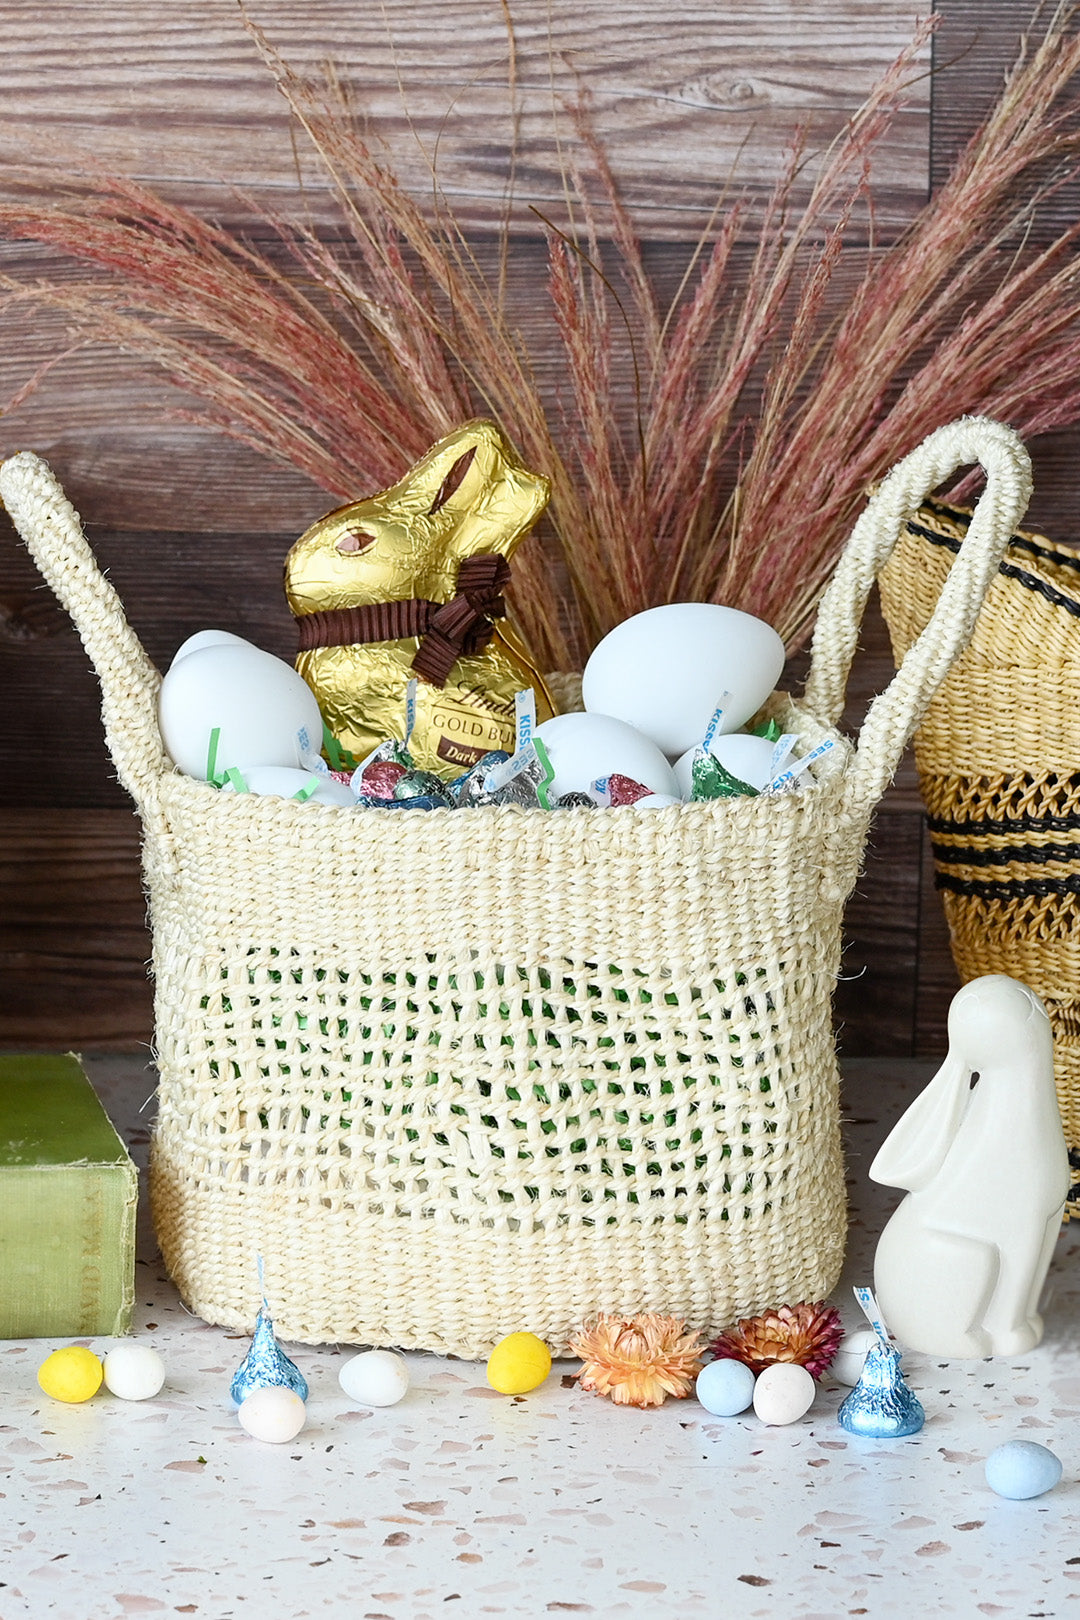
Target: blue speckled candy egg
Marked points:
725	1387
1021	1468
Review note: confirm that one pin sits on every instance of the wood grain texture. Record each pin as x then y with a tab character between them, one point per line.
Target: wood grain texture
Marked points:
193	528
73	939
876	997
680	94
937	980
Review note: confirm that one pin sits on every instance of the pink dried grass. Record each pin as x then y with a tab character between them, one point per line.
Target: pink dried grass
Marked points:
759	414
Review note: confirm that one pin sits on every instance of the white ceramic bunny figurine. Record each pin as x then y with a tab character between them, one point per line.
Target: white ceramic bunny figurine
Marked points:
960	1265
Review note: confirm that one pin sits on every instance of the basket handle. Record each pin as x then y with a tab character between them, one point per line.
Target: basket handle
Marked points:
53	533
895	714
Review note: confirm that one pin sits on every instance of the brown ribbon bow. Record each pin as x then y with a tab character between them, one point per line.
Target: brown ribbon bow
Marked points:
463	625
447	629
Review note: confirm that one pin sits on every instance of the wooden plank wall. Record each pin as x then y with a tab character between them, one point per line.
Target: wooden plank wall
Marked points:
192	529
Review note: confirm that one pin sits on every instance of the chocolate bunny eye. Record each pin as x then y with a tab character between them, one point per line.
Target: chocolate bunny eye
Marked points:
355	540
452	481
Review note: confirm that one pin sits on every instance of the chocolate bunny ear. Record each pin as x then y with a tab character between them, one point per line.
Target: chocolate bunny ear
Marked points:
915	1149
482	499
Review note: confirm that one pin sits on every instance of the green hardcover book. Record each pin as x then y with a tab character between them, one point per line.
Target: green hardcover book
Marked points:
68	1195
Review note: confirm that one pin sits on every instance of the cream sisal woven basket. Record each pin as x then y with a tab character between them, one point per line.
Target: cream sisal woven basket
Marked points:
458	1073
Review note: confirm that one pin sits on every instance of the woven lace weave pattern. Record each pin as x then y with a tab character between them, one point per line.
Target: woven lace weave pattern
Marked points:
456	1074
453	1074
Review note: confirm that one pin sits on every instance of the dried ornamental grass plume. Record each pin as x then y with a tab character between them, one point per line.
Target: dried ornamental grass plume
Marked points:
760	415
638	1360
807	1334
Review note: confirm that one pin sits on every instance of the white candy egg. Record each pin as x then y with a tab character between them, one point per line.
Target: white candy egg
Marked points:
783	1393
584	747
285	782
265	712
665	670
847	1364
744	756
273	1413
134	1372
375	1378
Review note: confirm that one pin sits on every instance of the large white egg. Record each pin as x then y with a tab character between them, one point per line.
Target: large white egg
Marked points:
265	712
666	670
285	782
208	638
746	757
584	747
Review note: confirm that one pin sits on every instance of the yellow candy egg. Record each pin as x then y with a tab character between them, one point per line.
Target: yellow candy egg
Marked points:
518	1363
72	1374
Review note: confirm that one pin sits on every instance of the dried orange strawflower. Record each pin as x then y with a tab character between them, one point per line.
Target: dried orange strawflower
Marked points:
638	1360
805	1333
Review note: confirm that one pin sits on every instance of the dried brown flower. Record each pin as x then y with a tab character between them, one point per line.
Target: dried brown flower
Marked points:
807	1334
638	1360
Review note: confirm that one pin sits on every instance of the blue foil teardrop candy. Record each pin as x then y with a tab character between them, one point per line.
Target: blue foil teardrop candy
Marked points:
266	1363
881	1407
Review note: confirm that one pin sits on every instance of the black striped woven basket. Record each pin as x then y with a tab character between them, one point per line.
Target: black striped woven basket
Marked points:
998	756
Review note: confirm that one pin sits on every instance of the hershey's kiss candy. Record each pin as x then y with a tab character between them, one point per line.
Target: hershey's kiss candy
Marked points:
469	789
624	790
381	778
266	1365
416	801
420	785
575	801
881	1407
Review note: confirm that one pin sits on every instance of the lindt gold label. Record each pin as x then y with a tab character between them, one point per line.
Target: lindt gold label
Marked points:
408	583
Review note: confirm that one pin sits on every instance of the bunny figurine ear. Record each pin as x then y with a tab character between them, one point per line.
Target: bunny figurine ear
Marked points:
914	1150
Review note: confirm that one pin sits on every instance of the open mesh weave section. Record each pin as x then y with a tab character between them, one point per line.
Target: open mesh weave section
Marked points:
471	1111
455	1105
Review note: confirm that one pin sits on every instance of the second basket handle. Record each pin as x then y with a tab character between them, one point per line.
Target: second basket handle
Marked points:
894	716
53	533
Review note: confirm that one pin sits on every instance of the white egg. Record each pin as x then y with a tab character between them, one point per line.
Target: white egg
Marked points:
375	1378
208	638
265	713
783	1393
584	747
655	801
847	1365
744	756
665	670
273	1413
134	1372
285	782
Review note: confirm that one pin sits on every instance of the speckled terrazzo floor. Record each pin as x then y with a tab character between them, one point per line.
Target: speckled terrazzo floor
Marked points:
460	1501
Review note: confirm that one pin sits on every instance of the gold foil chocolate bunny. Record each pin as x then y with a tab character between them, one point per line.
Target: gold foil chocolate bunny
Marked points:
407	583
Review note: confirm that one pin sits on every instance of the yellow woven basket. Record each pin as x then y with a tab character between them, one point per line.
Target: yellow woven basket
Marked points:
458	1073
998	755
